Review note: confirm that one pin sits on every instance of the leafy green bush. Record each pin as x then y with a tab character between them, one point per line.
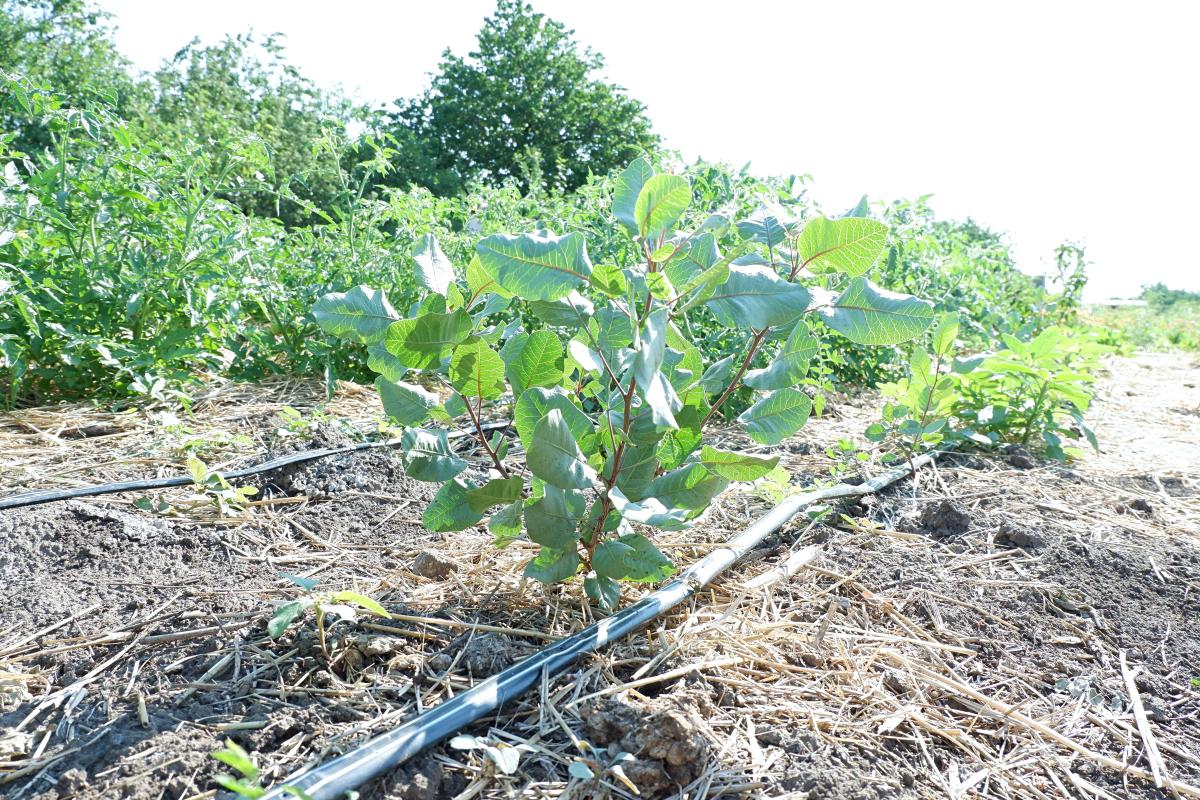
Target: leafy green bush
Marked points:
921	406
127	269
609	396
1168	322
1031	393
116	257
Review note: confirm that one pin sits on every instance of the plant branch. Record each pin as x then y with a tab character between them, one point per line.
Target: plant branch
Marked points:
733	385
481	435
606	505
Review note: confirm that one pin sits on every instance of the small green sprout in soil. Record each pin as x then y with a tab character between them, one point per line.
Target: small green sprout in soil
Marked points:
342	605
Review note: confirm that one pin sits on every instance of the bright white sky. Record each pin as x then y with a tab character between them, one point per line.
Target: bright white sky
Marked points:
1049	120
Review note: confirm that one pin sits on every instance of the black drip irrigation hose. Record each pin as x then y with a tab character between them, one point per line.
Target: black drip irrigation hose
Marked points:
332	780
53	495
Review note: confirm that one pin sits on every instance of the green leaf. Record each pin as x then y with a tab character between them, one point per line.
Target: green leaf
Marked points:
553	566
426	455
776	416
608	559
645	564
849	245
197	469
692	258
691	486
234	755
755	297
360	315
535	403
434	271
649	511
608	279
307	584
866	314
740	467
631	557
285	615
505	524
476	370
655	389
626	189
450	510
554	456
533	359
553	519
766	225
638	466
405	403
676	445
606	593
582	355
716	377
544	267
659	286
566	312
790	364
945	333
423	342
481	283
495	492
660	204
861	208
362	601
386	364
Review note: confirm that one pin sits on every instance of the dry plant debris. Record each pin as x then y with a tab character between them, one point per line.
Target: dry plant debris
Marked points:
1046	650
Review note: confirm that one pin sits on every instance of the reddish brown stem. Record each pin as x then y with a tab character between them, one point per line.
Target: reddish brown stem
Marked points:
733	385
482	436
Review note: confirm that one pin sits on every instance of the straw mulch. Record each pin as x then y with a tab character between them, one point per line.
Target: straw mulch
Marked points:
987	631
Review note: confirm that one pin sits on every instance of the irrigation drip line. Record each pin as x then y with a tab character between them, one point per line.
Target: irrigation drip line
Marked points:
53	495
332	780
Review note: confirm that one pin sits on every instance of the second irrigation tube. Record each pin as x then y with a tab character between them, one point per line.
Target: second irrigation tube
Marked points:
331	780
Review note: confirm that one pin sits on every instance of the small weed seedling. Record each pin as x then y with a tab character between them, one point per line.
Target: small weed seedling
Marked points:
248	783
600	764
343	605
1033	393
213	488
502	757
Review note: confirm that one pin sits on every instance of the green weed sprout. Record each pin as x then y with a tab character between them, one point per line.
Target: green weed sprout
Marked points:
343	605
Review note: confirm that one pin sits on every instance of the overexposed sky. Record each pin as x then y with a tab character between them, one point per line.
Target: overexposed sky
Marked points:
1050	120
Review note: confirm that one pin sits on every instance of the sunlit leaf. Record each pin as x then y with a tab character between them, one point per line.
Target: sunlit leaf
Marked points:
361	314
541	267
849	245
434	271
756	297
866	314
777	416
405	403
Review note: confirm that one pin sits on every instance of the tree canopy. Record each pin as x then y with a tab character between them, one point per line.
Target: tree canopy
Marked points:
524	105
527	105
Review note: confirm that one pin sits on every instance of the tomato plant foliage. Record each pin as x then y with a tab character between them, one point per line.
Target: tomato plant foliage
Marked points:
609	397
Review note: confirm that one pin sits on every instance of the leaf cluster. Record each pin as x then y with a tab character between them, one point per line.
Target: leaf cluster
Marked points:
1033	393
607	395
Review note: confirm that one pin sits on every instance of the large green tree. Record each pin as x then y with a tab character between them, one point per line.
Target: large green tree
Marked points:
526	104
65	45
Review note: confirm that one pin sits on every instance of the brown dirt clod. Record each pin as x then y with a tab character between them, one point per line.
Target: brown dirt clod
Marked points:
664	735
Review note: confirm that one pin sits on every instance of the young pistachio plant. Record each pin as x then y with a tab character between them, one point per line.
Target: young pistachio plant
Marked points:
609	398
